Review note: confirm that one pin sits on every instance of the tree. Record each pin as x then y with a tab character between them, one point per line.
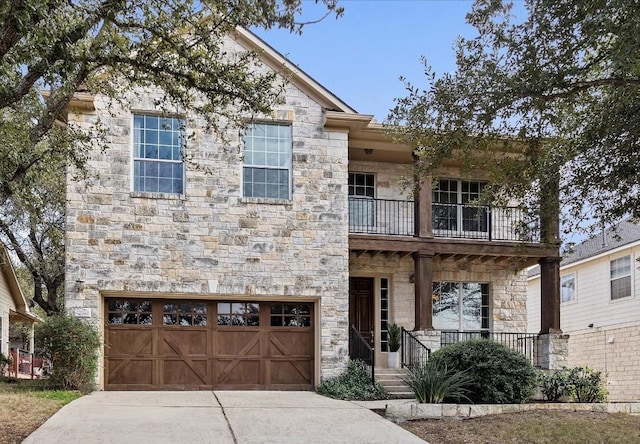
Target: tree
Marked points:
557	92
53	49
32	225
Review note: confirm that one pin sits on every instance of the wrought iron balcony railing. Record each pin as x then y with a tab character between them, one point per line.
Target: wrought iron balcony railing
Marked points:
396	217
524	343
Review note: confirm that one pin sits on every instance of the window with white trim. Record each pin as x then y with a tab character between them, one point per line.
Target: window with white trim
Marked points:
450	211
267	161
620	277
157	154
460	306
568	288
362	191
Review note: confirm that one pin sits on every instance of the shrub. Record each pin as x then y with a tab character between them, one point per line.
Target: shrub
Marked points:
554	385
586	385
72	347
498	374
581	384
433	382
354	384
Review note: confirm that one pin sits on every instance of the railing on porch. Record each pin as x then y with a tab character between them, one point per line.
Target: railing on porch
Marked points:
26	365
360	349
396	218
414	353
524	343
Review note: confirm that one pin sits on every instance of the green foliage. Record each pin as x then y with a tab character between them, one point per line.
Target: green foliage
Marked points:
433	382
72	346
52	49
394	337
560	85
554	385
354	384
498	374
580	384
4	363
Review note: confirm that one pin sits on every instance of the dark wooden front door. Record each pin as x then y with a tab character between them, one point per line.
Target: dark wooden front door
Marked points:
156	344
361	306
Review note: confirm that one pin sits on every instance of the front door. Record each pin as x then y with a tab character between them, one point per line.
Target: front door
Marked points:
361	306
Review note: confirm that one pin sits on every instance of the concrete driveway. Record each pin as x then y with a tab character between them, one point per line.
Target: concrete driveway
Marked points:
220	417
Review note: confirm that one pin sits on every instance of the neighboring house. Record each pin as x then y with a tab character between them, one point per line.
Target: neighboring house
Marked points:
14	311
600	308
248	271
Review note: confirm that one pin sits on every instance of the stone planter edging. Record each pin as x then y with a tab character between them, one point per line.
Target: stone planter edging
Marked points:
408	410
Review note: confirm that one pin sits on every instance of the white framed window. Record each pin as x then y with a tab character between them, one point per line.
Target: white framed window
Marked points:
450	211
362	191
620	274
568	288
267	161
460	306
157	154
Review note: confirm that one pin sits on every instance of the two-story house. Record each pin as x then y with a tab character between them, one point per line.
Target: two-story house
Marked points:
600	307
208	266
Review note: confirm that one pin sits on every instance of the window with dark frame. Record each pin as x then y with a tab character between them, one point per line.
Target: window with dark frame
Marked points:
290	315
185	314
238	314
129	312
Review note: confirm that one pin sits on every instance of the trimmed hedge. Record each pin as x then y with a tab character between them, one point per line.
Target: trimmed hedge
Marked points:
498	375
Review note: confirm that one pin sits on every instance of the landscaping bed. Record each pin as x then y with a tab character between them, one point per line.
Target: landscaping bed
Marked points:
534	427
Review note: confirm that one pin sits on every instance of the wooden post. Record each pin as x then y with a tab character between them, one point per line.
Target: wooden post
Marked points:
550	266
550	295
423	274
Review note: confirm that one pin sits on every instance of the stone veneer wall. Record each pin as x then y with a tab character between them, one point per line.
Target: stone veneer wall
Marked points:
614	352
210	241
507	289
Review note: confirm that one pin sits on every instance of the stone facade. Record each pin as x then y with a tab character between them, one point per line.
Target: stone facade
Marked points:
210	241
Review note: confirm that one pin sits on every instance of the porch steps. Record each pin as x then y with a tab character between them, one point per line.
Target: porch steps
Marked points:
391	380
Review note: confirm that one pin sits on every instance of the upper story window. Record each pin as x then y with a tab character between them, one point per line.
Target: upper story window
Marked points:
450	209
362	190
568	288
620	277
267	161
157	154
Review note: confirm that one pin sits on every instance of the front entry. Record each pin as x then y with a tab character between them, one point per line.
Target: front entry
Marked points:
361	306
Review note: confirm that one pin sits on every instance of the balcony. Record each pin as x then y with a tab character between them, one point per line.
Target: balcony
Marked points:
459	221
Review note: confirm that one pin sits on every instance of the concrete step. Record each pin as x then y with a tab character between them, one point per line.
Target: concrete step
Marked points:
391	380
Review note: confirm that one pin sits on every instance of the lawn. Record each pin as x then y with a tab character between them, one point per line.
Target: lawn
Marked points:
544	426
25	405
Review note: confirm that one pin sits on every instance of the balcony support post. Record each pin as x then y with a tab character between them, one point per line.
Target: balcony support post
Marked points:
550	295
423	273
550	266
422	212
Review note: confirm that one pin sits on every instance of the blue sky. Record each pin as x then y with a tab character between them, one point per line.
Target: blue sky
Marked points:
360	56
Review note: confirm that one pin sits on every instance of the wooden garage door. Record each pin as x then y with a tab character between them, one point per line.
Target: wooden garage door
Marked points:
155	344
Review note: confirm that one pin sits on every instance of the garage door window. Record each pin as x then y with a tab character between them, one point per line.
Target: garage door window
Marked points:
185	314
239	314
291	315
129	312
